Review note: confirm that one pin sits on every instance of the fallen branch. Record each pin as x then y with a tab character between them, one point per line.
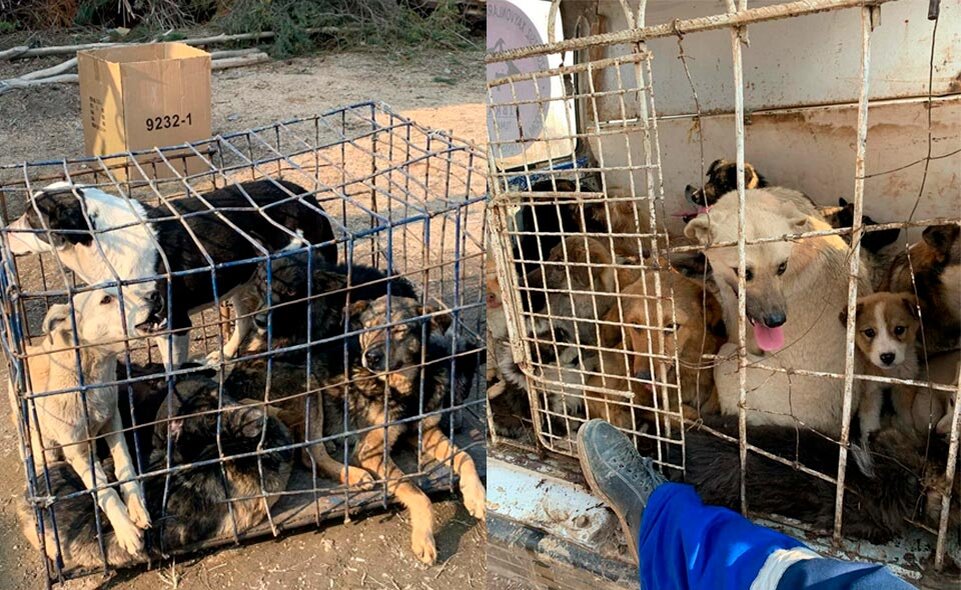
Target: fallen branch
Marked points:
15	83
55	75
21	52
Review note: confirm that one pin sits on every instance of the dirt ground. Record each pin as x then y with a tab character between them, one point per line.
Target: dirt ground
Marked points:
444	90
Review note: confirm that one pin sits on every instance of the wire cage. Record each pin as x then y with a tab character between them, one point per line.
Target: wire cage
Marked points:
331	269
613	297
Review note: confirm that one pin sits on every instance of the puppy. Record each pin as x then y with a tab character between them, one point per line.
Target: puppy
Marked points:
692	327
384	384
138	242
64	422
936	264
842	216
201	502
886	328
721	179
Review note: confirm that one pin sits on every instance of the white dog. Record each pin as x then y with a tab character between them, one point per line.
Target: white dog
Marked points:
794	290
67	422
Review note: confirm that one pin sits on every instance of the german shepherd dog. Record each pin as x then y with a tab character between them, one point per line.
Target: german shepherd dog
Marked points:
384	384
322	286
202	502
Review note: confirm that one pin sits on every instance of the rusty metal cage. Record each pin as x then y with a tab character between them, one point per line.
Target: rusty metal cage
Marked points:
403	207
608	310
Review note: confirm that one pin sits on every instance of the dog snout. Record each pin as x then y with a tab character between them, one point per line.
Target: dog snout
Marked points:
375	359
774	319
888	357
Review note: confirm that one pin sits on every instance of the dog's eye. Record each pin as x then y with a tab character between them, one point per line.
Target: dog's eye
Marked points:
781	268
870	333
106	300
899	330
671	328
748	274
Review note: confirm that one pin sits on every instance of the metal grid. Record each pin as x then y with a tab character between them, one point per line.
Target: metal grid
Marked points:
401	199
612	129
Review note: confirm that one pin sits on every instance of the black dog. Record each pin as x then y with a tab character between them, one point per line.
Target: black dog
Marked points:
198	501
135	243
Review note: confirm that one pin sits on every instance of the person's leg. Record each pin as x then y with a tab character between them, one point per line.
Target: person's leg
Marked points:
683	544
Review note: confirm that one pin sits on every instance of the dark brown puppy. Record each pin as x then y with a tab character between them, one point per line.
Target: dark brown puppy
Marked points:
936	265
722	178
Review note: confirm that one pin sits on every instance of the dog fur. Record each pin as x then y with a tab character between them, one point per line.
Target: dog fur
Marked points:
136	242
790	288
375	365
199	500
694	327
65	421
934	409
875	508
936	264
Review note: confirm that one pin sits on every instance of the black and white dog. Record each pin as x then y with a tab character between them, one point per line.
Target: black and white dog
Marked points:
218	235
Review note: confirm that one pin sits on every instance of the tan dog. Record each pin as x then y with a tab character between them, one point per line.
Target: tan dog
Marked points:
935	409
66	421
886	330
790	288
693	327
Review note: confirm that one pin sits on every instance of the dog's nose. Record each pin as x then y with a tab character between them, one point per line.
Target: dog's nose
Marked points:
775	319
887	357
374	358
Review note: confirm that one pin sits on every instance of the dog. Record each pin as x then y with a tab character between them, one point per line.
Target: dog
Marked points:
66	421
381	387
886	327
935	263
201	502
320	290
875	508
722	179
692	327
789	285
138	243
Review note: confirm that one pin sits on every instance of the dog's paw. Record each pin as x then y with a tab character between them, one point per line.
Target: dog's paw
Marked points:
129	536
356	477
422	544
137	510
215	358
475	498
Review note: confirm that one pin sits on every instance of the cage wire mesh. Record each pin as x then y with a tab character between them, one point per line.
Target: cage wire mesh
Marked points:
349	247
597	311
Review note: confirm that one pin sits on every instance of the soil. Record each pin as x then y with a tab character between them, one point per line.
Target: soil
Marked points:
443	90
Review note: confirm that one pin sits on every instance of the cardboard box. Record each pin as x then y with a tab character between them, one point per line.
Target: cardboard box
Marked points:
145	96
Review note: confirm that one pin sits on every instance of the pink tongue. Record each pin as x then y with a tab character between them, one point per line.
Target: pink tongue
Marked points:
769	339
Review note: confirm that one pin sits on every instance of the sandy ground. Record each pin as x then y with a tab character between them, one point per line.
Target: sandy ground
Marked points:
441	89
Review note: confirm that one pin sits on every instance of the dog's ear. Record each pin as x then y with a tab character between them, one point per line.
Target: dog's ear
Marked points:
910	303
842	202
57	320
356	308
440	322
715	165
692	265
797	221
843	316
751	178
699	229
941	237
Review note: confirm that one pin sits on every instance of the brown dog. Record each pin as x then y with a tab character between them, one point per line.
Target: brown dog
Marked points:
722	178
635	359
936	264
